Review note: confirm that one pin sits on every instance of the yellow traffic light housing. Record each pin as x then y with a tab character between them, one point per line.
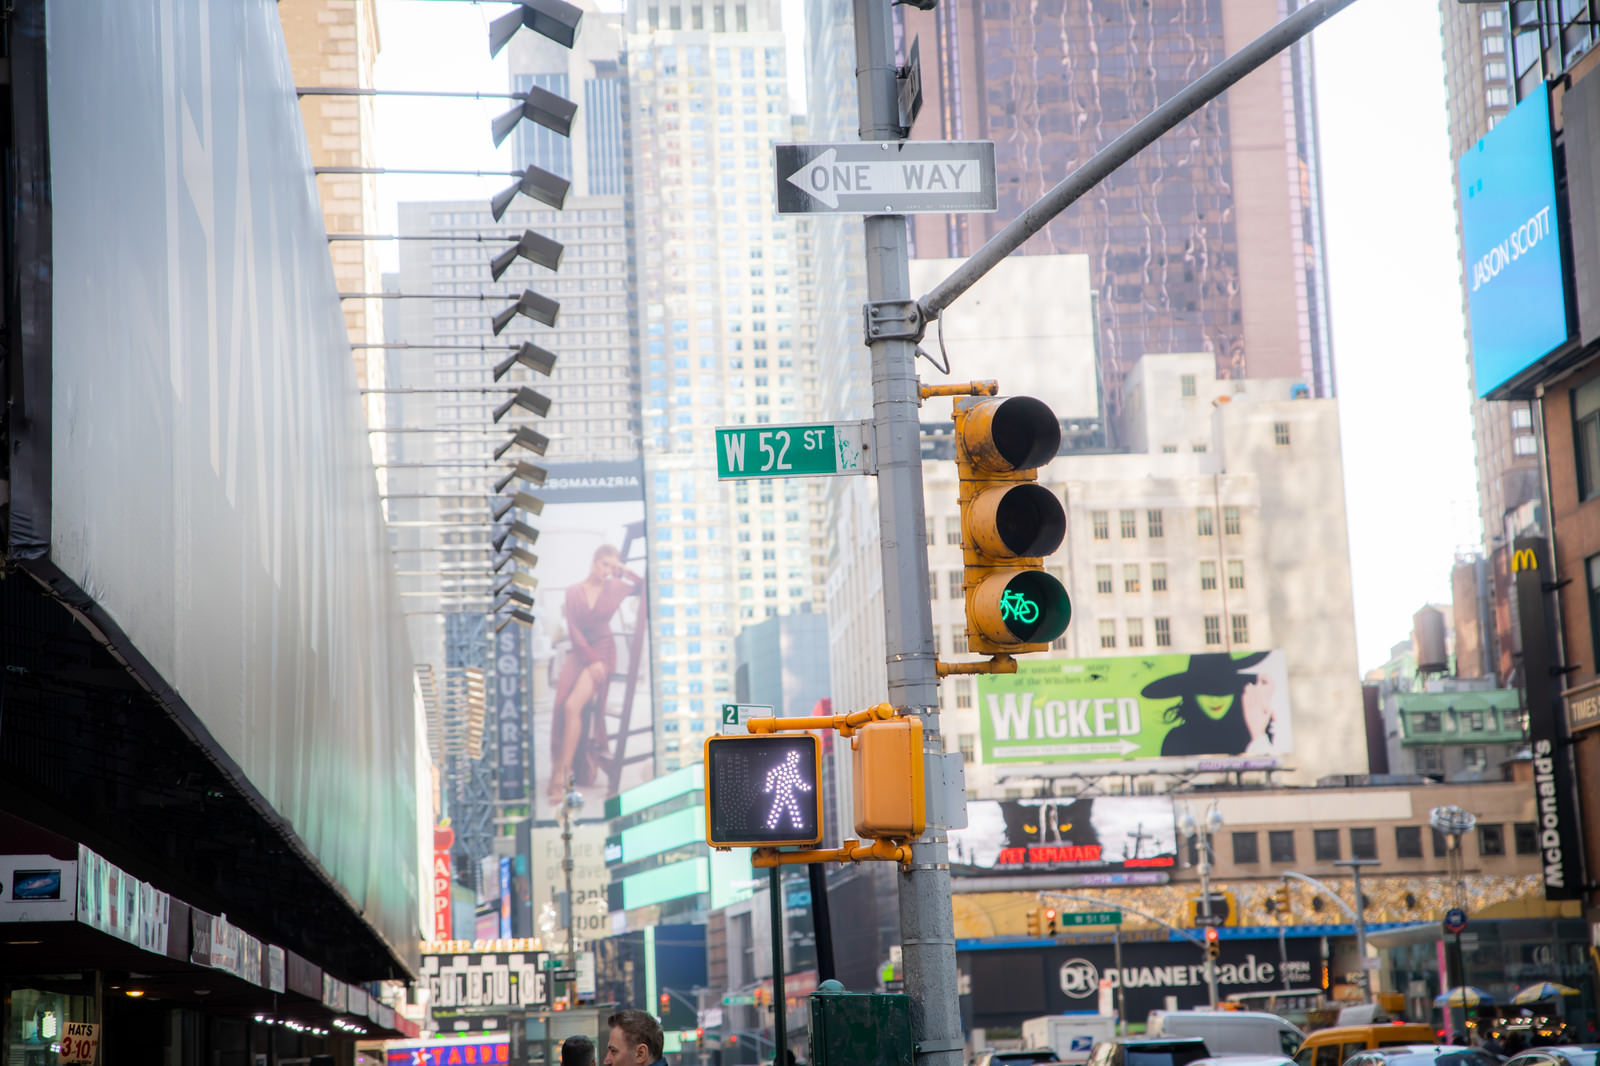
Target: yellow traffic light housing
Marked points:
888	788
1213	944
762	790
1050	921
1009	523
1280	901
1036	922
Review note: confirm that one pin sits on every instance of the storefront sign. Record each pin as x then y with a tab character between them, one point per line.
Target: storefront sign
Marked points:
451	1053
487	982
1552	769
81	1042
444	839
37	888
1583	708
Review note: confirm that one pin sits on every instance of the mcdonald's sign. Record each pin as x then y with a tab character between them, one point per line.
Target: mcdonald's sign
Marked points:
1554	797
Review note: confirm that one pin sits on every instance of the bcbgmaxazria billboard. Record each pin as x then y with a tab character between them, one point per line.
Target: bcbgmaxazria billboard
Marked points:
198	478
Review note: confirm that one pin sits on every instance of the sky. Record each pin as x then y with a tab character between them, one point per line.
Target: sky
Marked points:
1394	275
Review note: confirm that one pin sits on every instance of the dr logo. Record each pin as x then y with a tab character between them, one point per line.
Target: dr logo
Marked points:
1079	978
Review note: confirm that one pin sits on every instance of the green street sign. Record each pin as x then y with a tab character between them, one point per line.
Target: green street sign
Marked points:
736	716
738	1001
1090	918
815	450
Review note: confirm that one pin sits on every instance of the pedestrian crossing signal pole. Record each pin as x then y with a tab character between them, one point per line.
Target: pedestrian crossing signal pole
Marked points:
927	924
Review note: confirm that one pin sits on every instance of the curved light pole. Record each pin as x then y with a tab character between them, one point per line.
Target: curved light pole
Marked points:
1205	831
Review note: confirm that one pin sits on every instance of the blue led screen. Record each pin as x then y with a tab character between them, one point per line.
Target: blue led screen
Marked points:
1516	296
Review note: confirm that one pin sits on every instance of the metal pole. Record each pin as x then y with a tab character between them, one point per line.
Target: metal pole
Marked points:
780	1005
1205	909
1358	918
566	870
1210	85
1122	994
927	923
821	920
1283	957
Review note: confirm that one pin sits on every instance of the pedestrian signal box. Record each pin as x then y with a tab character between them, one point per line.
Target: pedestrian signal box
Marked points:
763	790
889	795
1009	522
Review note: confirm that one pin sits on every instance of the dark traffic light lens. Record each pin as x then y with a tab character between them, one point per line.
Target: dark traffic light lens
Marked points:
1034	607
1030	520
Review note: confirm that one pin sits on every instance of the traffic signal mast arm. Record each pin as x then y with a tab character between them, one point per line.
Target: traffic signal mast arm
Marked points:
844	724
849	851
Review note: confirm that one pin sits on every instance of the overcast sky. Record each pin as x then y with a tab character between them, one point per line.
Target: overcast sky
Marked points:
1398	337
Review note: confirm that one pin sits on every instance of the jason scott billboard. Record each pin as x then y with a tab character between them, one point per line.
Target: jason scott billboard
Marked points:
1214	706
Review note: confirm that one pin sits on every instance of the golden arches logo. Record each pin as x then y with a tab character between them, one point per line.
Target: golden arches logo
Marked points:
1524	559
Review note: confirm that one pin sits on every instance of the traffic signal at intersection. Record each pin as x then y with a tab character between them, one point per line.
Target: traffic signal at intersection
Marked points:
1280	901
1009	523
1213	944
762	790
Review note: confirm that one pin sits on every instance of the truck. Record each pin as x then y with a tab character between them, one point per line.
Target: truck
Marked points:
1070	1036
1236	1032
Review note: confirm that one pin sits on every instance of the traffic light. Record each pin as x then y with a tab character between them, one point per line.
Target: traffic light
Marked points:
666	1001
1036	922
1280	901
1009	522
1050	921
889	797
762	790
1213	945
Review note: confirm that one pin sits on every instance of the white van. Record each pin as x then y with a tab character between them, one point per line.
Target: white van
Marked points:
1230	1032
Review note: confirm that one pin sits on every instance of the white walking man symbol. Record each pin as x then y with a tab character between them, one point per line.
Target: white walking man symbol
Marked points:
782	781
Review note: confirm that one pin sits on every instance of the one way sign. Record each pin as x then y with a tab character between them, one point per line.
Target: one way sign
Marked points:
885	177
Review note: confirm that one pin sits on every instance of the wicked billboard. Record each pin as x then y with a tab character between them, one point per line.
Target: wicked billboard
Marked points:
1102	833
1009	986
1214	705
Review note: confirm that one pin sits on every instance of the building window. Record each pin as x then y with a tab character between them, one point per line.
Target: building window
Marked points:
1236	573
1474	758
1521	415
958	641
1198	447
1524	445
1525	837
1586	436
1108	633
1130	577
1208	576
1363	843
1232	525
1408	841
1280	434
1473	720
1153	525
1158	577
1102	580
1441	844
1101	521
1202	522
1163	632
1325	844
1491	839
1246	848
1130	524
1429	722
952	531
963	693
968	746
1430	760
1213	624
1240	624
1280	845
1591	570
1186	385
1135	632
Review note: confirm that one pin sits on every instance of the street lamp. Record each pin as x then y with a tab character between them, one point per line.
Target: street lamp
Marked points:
1205	832
1355	866
573	801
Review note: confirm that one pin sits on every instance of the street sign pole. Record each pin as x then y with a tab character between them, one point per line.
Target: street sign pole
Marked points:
927	922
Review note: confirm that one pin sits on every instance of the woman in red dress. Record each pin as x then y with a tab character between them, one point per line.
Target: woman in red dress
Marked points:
586	671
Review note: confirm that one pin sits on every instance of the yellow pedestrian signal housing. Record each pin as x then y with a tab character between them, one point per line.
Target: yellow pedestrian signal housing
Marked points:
887	761
762	790
1036	922
1009	523
1213	945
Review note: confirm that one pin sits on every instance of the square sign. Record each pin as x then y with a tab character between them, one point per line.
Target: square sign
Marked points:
763	791
735	717
1516	287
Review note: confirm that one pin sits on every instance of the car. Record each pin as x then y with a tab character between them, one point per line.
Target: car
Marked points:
1565	1055
1331	1047
1146	1051
1230	1032
1424	1055
1250	1060
1038	1057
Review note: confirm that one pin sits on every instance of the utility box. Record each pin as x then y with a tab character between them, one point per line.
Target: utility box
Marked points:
850	1028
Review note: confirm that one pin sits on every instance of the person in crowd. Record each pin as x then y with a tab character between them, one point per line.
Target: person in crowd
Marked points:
635	1040
577	1051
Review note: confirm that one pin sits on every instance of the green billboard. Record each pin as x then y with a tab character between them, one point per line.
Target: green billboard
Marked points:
1215	705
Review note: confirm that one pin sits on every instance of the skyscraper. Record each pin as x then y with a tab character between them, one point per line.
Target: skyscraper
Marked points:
1210	240
715	273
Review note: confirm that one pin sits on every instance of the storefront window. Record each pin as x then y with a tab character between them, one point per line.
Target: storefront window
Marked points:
38	1018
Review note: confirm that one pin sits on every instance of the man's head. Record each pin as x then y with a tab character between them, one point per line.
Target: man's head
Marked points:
577	1051
635	1039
